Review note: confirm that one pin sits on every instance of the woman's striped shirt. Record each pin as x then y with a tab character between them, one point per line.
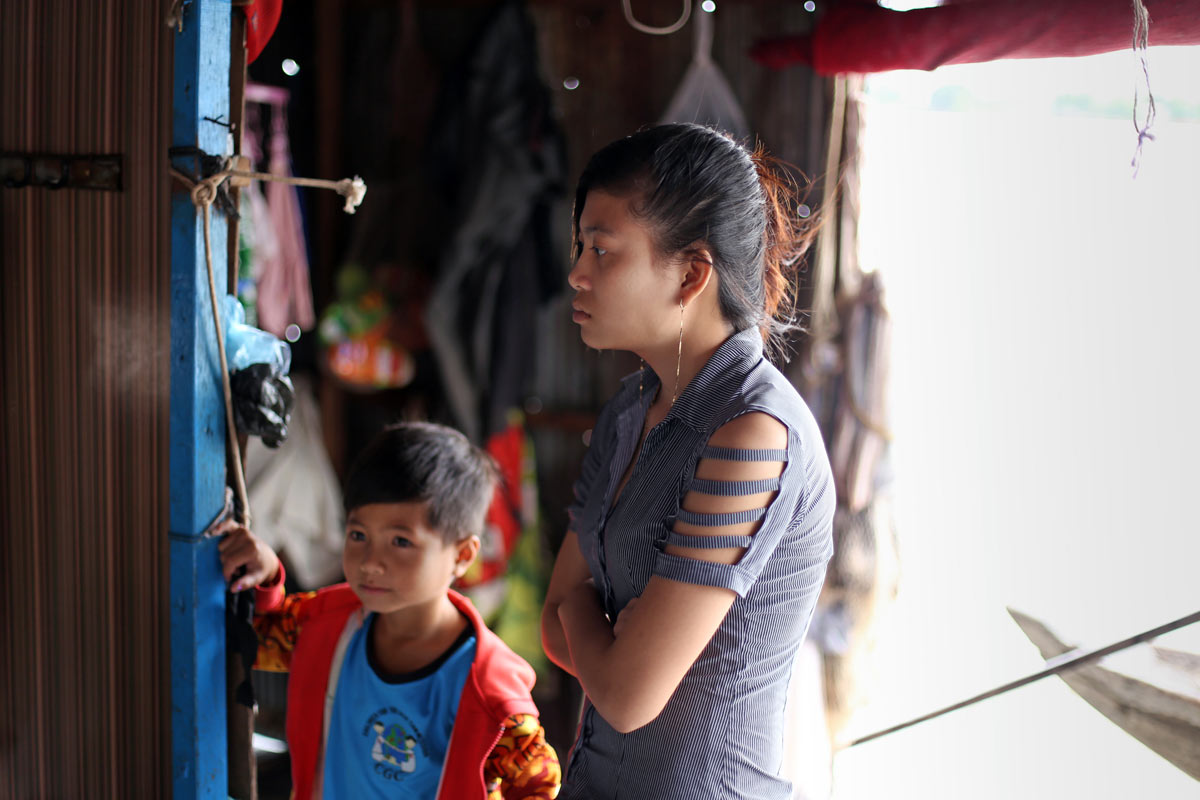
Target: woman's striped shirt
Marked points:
721	733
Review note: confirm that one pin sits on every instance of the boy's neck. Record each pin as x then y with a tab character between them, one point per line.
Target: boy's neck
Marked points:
407	640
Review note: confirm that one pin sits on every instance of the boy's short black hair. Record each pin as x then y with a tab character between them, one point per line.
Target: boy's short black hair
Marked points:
423	461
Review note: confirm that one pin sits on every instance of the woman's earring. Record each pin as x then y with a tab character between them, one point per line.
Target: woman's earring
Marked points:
679	355
641	377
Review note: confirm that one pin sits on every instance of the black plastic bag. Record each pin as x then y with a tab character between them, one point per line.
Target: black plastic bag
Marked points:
262	402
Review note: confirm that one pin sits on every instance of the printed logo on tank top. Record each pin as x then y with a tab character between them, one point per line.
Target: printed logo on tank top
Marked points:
389	735
394	742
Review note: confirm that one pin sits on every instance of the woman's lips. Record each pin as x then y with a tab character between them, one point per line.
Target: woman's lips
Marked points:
579	316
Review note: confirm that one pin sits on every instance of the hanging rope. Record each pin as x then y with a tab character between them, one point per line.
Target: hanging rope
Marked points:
824	304
204	193
1141	40
627	7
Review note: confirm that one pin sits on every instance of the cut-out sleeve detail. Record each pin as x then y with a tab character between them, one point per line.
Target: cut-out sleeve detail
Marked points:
707	542
720	520
744	454
685	569
725	506
734	488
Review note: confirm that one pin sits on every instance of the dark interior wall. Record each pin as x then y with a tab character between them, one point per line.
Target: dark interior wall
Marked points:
626	80
84	687
363	104
381	66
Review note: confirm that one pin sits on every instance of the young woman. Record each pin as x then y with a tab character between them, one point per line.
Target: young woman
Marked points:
702	519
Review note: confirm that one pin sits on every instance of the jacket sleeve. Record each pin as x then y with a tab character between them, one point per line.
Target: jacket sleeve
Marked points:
522	765
277	622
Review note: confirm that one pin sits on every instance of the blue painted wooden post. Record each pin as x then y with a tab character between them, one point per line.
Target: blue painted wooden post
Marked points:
197	477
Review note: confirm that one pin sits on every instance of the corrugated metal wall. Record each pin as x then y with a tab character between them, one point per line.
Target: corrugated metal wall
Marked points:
85	314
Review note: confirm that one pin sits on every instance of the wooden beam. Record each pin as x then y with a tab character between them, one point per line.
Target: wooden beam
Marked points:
197	426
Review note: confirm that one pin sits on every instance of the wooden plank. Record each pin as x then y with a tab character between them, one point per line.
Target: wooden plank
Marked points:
243	775
197	425
1153	706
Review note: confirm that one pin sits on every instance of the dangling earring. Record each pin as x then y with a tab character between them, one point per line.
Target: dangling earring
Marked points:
678	355
641	377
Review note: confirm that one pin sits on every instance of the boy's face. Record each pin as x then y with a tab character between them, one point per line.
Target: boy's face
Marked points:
395	561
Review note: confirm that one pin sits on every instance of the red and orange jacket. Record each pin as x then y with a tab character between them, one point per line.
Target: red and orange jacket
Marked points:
497	749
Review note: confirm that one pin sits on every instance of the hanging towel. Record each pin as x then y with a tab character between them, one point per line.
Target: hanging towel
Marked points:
284	292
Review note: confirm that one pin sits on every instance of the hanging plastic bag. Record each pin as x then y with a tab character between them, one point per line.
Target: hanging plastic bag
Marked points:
262	403
704	96
246	345
258	365
296	497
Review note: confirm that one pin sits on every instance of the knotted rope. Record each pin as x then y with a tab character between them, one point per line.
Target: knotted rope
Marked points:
204	194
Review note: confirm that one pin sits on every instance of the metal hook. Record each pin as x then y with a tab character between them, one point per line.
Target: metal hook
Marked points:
64	175
9	183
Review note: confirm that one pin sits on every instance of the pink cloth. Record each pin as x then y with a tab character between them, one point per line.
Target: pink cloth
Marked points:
284	291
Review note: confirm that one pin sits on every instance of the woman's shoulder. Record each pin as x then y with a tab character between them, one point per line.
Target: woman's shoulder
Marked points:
764	389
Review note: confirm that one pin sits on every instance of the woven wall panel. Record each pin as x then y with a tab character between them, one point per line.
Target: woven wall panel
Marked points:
85	313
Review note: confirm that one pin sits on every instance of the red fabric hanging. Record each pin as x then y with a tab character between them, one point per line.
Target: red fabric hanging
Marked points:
262	17
862	37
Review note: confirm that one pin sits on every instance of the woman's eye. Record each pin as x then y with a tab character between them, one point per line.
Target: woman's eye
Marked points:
356	536
400	541
579	248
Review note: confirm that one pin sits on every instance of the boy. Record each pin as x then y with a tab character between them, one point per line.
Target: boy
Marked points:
397	687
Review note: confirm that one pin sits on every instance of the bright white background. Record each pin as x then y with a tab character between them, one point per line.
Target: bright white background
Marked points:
1045	411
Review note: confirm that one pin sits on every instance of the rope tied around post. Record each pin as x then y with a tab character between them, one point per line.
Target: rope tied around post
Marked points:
204	193
353	189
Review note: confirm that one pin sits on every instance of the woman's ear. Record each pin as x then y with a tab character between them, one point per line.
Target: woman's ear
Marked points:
464	556
698	270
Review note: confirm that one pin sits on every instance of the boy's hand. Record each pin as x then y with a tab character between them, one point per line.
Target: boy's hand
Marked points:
241	548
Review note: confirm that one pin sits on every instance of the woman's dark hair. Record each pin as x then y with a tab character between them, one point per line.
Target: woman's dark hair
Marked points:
695	185
426	462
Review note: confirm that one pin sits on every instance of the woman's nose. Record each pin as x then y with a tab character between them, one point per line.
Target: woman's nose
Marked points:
578	278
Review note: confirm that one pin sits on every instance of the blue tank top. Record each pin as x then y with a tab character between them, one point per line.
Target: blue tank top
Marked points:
721	733
388	734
